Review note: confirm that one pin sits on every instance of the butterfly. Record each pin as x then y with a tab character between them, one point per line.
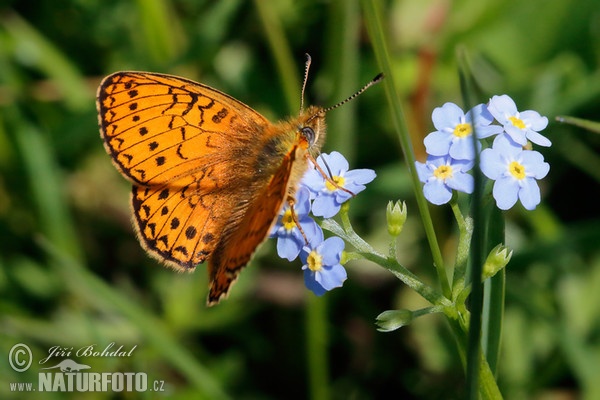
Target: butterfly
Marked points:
209	174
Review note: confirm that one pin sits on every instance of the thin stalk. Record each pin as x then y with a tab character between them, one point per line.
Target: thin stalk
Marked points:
476	257
465	233
316	344
494	294
375	29
367	252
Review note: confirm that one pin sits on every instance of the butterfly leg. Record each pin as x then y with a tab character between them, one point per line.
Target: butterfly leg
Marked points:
327	177
291	201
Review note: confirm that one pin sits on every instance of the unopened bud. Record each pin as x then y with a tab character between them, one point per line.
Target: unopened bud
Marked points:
396	216
393	319
496	260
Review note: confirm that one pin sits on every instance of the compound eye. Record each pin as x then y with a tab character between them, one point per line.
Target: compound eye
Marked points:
309	134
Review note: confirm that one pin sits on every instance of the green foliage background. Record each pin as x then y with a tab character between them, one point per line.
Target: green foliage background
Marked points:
72	273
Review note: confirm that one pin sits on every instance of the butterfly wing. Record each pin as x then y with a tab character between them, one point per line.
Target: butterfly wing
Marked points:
175	140
239	243
158	128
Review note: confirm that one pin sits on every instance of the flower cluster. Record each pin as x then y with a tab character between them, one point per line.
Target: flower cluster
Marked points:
297	232
514	168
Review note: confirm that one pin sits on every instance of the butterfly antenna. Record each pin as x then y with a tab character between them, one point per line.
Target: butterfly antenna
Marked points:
306	68
373	81
327	167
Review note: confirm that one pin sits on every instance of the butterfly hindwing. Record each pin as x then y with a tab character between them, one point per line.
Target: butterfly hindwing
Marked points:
240	243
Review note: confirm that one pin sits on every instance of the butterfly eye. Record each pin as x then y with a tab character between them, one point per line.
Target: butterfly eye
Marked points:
309	134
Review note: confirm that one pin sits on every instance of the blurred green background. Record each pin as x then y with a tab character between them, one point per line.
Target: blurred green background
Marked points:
72	273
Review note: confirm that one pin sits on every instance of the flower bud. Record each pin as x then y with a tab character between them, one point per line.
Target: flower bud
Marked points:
391	320
496	260
396	216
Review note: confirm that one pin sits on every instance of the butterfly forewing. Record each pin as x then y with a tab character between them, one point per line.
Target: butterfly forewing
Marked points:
158	128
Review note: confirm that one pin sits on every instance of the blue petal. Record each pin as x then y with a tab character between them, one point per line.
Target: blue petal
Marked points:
311	283
480	115
462	149
423	171
505	192
502	107
438	143
302	205
325	206
487	131
516	134
461	182
331	250
361	176
492	164
461	165
288	247
538	139
534	164
331	277
534	120
313	180
507	147
529	193
447	116
336	162
436	192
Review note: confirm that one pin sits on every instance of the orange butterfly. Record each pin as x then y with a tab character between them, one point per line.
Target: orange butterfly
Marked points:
209	173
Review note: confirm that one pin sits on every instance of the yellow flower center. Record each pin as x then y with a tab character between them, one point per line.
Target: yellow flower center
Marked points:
517	170
339	181
287	220
443	172
314	261
463	130
518	122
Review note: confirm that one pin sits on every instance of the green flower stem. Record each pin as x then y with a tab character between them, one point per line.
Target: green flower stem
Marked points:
465	229
478	242
366	251
375	29
494	293
316	345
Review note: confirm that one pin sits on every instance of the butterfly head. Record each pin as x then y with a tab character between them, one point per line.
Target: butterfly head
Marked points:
312	127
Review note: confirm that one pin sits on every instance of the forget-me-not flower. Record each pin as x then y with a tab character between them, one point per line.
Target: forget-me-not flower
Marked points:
520	126
441	175
455	129
515	172
328	198
321	265
289	237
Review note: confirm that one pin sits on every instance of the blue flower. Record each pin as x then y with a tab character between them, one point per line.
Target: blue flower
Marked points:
441	175
515	172
455	129
289	238
328	198
520	126
322	268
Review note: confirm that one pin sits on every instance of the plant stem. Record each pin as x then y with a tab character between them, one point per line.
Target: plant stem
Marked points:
316	348
375	29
